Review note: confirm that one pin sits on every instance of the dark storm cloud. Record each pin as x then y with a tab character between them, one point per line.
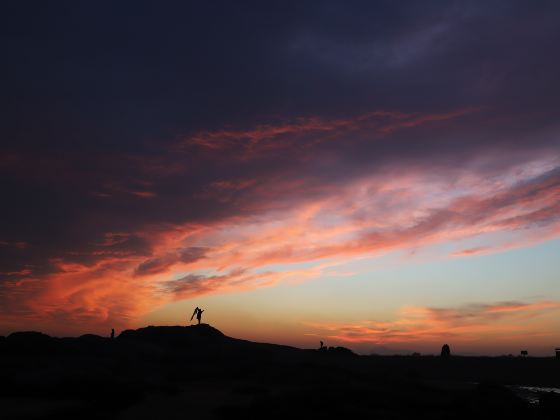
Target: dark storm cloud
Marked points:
104	106
193	284
161	264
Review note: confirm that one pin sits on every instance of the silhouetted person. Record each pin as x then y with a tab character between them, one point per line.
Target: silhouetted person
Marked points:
199	315
321	346
112	333
524	353
445	351
195	312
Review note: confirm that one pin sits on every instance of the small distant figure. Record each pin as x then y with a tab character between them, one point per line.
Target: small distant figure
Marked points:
524	353
445	351
321	346
112	333
198	313
195	312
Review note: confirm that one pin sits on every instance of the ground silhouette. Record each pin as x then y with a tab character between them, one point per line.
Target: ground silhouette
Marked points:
197	371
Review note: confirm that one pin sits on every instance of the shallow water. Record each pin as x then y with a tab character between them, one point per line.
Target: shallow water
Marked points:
533	393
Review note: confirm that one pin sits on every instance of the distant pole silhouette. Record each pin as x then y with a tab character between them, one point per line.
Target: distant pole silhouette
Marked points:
112	333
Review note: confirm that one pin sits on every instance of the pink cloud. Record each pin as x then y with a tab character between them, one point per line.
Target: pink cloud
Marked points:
471	251
262	138
294	220
496	321
143	194
366	218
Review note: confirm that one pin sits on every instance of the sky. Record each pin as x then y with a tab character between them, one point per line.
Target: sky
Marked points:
381	175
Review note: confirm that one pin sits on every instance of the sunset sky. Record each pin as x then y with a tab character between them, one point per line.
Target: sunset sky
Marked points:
381	175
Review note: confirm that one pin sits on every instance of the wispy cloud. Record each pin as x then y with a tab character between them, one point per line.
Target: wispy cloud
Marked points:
267	138
474	322
126	274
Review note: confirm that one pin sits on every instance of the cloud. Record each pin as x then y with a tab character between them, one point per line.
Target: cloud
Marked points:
361	219
194	285
163	263
19	244
346	131
269	138
492	322
330	228
471	251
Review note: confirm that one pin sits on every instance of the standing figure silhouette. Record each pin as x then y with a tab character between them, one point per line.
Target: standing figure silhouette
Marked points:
199	315
194	313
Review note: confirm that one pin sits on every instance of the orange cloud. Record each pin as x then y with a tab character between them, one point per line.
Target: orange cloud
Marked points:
245	253
143	194
471	251
490	322
290	222
80	298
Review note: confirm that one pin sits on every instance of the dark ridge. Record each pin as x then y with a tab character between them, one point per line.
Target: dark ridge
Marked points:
92	337
165	372
29	337
340	351
203	342
30	342
175	334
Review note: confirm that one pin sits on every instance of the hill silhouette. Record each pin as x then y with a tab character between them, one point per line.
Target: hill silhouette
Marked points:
197	371
196	339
